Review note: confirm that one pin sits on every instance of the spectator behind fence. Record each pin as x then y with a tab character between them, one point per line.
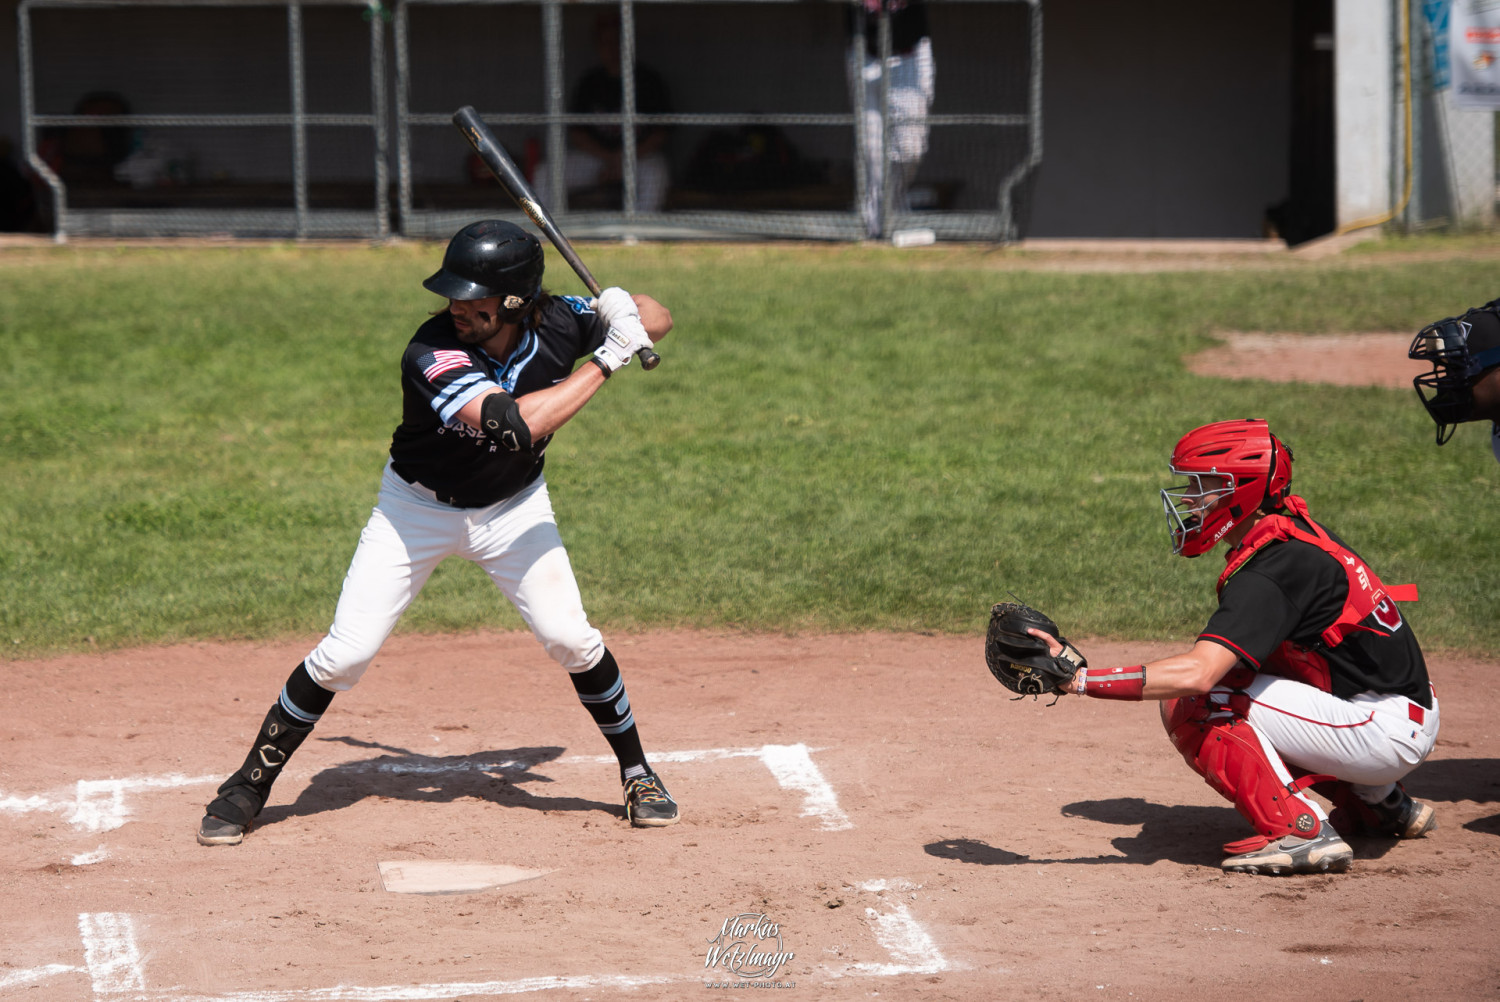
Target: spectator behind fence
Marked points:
594	154
87	155
912	85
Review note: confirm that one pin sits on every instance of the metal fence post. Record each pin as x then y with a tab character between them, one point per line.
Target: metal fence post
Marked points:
557	151
376	10
858	91
627	105
887	188
299	111
403	126
28	128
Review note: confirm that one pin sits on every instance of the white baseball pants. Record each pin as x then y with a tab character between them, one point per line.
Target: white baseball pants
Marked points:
410	532
1371	740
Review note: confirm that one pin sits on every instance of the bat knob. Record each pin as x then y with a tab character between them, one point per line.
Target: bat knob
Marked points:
649	359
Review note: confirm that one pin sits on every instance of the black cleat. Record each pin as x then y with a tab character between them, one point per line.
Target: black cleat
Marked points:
217	831
1407	818
648	804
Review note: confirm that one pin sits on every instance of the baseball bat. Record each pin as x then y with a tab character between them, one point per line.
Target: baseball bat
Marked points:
516	186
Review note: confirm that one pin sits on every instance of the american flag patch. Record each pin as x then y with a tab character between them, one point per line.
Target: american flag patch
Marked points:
444	360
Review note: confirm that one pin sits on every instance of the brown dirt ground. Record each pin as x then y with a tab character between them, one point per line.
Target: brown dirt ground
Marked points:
911	832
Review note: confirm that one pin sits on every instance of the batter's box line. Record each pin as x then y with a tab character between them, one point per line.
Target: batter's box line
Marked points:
98	805
791	765
116	967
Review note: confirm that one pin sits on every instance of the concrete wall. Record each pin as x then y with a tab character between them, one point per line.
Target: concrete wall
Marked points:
1365	82
1163	118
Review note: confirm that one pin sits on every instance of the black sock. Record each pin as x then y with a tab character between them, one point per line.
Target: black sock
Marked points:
302	699
602	692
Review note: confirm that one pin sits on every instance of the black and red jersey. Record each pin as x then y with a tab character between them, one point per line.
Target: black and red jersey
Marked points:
440	374
1274	609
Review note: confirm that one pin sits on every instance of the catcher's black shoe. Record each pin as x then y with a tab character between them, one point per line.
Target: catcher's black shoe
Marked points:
217	831
1325	852
648	804
1405	818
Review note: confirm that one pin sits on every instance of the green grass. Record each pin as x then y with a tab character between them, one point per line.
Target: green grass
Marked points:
839	438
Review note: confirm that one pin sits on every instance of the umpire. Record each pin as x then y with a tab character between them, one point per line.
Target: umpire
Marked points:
485	383
1464	382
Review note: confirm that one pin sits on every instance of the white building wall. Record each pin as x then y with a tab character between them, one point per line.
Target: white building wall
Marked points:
1364	84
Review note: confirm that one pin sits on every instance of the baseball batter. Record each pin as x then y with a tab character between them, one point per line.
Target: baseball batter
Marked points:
1464	383
485	384
1306	675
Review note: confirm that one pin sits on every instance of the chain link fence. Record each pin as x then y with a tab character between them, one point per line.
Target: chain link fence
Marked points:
207	117
271	118
1454	179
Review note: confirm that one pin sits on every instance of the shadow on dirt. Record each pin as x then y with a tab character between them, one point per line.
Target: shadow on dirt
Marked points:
1191	835
401	774
1188	835
1454	779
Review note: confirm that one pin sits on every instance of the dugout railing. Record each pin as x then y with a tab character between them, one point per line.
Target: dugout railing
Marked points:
88	46
313	158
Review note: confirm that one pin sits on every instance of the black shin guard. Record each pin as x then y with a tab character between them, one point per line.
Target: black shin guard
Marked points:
243	794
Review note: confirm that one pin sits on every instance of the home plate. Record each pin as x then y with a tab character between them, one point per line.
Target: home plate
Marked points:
450	876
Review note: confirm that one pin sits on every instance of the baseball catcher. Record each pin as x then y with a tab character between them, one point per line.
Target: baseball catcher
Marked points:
1305	676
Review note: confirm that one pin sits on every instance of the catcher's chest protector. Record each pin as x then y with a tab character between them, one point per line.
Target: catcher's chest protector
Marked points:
1367	595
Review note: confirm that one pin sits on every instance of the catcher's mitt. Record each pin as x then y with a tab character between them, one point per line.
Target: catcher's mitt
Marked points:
1020	661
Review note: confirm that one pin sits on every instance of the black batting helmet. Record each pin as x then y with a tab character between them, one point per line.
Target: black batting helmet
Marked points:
491	258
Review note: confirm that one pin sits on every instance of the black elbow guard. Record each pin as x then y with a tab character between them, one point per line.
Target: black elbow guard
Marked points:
500	419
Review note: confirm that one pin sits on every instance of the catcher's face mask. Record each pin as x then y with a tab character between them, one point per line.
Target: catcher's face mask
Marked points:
1194	513
1232	468
1458	359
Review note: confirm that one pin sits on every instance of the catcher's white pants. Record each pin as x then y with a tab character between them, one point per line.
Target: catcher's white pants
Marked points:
410	532
1371	740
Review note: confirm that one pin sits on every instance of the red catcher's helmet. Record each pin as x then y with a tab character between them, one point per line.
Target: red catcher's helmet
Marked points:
1233	468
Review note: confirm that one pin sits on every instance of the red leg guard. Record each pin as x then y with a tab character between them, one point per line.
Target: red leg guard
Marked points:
1223	749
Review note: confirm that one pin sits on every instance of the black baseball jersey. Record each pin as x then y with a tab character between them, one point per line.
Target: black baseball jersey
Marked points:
1292	591
440	374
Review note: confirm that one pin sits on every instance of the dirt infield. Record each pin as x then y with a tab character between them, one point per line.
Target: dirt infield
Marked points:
864	816
907	830
1374	359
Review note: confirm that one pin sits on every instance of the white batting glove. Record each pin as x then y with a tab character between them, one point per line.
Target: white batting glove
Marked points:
614	304
624	338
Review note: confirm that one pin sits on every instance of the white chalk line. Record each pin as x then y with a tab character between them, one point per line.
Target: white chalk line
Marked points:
98	805
110	952
12	978
909	944
791	765
114	964
903	937
419	993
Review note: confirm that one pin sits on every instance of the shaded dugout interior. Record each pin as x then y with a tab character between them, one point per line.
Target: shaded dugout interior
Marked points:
1160	118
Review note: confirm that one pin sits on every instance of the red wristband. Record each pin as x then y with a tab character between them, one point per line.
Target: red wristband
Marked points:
1112	683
